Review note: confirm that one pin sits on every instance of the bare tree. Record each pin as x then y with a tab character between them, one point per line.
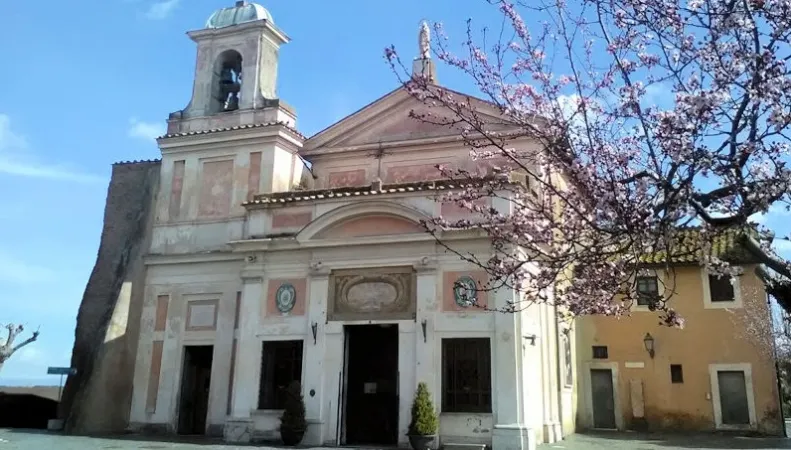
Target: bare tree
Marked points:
619	178
7	348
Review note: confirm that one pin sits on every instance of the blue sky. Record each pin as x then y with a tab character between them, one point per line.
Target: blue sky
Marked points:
89	83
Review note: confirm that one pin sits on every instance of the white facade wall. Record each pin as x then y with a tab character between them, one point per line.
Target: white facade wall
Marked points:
231	259
524	374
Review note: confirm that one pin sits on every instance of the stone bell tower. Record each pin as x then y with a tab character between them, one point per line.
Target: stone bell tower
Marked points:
235	73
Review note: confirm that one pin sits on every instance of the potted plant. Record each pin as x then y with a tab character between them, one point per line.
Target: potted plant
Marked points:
424	424
292	422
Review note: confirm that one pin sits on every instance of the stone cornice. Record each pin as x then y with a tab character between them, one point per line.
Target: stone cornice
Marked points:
233	136
191	258
281	244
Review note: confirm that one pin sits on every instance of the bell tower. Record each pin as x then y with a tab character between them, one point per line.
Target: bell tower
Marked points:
235	72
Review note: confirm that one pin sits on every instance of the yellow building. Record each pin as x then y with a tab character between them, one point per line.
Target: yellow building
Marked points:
717	373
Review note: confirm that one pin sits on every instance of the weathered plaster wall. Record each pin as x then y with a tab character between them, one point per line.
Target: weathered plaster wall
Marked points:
109	316
710	336
157	376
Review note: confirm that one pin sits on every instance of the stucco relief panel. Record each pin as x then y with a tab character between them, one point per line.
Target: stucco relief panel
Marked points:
202	315
372	294
290	219
346	178
216	188
411	173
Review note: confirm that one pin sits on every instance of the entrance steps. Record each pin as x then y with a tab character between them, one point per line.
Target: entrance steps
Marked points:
451	446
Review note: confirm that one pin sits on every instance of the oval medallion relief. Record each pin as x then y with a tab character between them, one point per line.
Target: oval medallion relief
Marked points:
286	298
371	296
465	291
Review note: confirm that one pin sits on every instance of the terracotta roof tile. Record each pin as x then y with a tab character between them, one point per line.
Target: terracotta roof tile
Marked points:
238	127
279	198
726	245
141	161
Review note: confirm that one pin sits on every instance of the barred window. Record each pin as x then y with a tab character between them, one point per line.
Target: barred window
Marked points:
600	352
466	375
281	363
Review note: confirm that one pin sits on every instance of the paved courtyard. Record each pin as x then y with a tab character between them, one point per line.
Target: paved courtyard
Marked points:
636	441
34	440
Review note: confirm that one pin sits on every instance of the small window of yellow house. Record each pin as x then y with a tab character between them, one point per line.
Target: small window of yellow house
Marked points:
721	288
647	290
721	291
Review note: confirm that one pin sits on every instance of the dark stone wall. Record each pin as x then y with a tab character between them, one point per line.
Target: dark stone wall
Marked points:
97	399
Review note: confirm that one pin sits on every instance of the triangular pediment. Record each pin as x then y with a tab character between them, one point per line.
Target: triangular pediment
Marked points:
386	120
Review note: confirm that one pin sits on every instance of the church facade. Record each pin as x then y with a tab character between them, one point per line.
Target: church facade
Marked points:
261	270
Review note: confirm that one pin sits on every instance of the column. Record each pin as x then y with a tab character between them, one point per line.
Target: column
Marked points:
239	428
510	430
314	354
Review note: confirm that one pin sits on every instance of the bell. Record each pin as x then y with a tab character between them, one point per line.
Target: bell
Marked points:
232	104
226	76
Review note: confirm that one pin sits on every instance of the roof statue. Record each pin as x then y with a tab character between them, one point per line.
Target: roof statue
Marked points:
424	41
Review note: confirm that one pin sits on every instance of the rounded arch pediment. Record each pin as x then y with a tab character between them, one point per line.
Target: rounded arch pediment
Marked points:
364	219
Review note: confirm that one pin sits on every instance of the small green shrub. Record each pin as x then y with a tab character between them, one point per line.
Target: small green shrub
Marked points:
293	417
424	417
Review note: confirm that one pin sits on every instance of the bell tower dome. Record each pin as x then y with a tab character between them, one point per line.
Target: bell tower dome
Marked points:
235	72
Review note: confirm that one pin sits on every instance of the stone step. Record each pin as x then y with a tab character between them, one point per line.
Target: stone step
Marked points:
452	446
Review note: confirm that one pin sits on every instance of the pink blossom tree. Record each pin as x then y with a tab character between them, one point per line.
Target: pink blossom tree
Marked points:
652	116
9	346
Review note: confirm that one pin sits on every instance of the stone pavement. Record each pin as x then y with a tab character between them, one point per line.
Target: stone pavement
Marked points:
638	441
39	440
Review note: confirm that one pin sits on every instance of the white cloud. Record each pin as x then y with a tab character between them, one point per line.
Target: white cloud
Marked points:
759	218
30	353
782	244
145	130
161	10
16	159
19	272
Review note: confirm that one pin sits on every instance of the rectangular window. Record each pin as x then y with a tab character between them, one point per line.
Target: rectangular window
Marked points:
600	352
281	363
647	290
721	288
676	373
466	375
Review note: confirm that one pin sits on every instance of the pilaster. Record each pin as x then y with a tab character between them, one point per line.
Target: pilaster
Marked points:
510	430
239	428
315	367
427	306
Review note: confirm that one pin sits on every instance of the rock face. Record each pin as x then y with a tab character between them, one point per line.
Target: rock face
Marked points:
97	399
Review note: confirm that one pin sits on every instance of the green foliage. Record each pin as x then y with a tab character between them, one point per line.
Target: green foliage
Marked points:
424	417
293	417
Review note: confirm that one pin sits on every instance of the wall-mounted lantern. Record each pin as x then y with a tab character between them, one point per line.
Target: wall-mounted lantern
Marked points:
648	341
423	325
531	338
314	327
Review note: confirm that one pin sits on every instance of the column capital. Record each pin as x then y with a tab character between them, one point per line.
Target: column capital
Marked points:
318	270
426	265
252	273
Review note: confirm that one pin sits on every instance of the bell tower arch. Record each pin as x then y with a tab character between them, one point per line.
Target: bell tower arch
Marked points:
235	73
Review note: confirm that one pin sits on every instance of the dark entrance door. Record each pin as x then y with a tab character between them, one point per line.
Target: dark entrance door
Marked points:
372	385
603	398
195	382
733	397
